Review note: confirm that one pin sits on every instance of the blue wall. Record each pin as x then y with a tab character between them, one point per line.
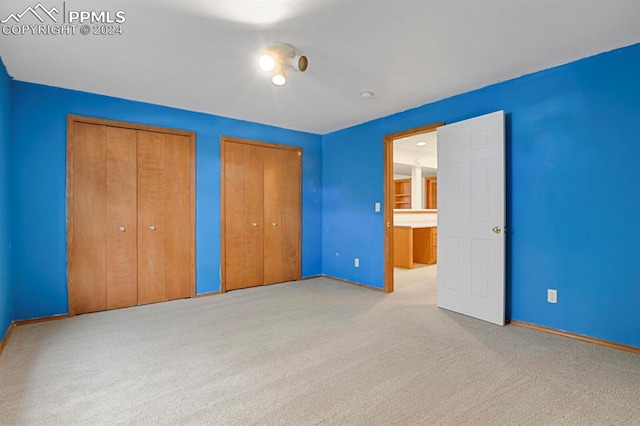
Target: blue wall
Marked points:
6	310
573	150
573	173
38	162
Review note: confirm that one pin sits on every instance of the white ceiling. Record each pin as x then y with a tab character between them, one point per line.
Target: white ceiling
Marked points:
406	154
407	146
201	55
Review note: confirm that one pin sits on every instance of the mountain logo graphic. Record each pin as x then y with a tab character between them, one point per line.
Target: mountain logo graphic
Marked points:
38	11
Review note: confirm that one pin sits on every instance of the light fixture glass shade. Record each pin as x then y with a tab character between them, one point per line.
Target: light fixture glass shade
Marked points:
266	62
421	143
279	79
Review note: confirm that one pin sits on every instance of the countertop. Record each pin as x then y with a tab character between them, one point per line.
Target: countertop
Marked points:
416	226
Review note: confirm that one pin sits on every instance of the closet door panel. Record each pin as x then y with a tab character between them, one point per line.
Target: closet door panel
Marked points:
274	177
152	230
261	242
178	216
87	261
291	215
121	229
253	215
234	226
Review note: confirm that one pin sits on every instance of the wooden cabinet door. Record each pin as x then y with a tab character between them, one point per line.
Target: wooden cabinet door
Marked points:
152	207
131	217
431	192
178	217
164	217
281	215
233	212
87	246
253	221
274	261
243	243
165	226
291	215
103	271
434	245
261	210
121	224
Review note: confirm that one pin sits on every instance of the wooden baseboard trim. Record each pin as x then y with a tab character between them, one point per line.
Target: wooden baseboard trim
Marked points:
583	338
5	339
312	277
42	319
213	293
353	283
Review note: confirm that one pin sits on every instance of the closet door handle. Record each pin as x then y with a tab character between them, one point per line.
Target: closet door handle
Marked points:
274	224
254	224
122	229
152	227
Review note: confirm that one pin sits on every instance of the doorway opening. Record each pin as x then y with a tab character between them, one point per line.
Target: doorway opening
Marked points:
410	194
470	216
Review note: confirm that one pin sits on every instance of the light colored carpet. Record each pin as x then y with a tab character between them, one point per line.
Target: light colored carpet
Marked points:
309	353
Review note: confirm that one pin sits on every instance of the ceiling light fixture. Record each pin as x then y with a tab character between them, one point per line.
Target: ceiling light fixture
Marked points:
279	79
266	62
277	58
421	144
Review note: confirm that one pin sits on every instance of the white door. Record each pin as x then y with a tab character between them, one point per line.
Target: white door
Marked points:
471	217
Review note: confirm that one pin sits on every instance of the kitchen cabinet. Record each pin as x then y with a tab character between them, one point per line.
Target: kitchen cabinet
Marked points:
402	193
414	244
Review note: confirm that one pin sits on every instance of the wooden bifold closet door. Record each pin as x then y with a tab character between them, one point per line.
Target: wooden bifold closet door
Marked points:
261	210
131	227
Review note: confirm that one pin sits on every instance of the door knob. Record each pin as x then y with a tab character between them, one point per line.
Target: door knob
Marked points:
152	227
122	229
388	224
274	224
497	229
254	224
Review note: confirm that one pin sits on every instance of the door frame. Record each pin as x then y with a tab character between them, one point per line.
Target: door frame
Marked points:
71	121
388	202
223	219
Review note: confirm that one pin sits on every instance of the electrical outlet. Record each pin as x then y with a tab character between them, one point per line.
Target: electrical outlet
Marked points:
377	207
552	295
356	262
